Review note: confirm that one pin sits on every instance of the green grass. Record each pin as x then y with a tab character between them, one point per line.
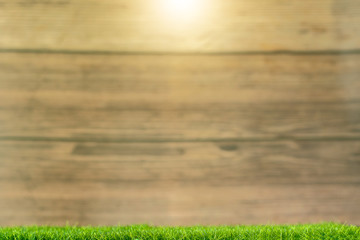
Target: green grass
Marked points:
314	231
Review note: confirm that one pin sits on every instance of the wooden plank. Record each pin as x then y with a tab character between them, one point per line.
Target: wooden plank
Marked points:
179	98
179	183
208	26
153	164
184	205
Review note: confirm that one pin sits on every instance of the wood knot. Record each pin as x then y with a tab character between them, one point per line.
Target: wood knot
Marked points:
228	147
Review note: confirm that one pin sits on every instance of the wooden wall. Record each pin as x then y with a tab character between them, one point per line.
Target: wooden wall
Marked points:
112	113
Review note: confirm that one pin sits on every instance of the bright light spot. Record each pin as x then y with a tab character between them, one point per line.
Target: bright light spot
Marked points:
185	11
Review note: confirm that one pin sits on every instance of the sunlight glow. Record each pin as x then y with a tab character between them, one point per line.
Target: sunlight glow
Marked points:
185	11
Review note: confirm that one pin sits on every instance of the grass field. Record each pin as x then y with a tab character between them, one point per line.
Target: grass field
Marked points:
314	231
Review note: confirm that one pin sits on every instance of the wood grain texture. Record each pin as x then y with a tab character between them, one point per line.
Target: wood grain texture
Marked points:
144	26
208	164
179	98
179	183
179	139
98	205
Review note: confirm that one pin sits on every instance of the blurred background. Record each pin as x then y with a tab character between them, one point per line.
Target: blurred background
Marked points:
179	112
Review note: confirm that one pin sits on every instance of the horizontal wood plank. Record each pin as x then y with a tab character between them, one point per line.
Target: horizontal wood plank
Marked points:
179	98
183	205
157	164
208	26
179	183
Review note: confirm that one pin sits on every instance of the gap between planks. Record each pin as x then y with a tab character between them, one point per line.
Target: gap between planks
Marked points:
184	53
200	140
